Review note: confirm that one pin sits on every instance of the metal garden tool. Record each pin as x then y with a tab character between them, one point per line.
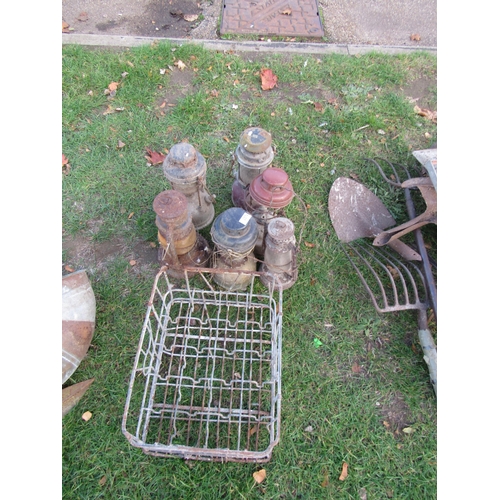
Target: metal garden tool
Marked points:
394	285
392	173
357	213
429	194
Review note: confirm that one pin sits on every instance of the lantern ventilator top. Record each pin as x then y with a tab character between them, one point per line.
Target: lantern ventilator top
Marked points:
272	188
281	230
254	149
170	205
235	230
184	164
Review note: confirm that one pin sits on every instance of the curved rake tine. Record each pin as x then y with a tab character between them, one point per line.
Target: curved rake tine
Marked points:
404	288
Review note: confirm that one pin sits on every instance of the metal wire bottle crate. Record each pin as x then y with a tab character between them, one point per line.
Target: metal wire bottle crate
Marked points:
206	381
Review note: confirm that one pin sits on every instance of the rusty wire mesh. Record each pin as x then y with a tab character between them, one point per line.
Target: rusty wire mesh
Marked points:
206	381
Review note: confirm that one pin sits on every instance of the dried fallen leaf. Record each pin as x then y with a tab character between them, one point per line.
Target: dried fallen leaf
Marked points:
130	215
65	27
408	430
132	262
309	245
415	37
102	481
180	65
356	368
68	268
386	424
268	79
426	113
253	430
66	167
83	17
109	110
190	17
112	86
286	12
343	474
154	157
120	145
318	107
259	475
326	480
394	272
87	416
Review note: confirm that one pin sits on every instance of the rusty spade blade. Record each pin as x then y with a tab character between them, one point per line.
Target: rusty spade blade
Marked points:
356	213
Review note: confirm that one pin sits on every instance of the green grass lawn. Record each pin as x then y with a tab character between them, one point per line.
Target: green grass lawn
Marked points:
361	395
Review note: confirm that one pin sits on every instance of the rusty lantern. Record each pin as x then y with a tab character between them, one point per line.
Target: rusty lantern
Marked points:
180	244
254	154
267	195
280	255
234	233
185	168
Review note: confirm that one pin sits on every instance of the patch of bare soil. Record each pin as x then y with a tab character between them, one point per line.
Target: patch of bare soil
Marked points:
421	92
82	253
396	414
179	85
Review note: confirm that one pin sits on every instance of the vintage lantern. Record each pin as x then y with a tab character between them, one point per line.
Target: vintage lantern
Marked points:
254	154
185	168
180	244
234	233
267	194
280	255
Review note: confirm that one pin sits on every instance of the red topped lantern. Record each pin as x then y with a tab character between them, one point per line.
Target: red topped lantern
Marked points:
268	193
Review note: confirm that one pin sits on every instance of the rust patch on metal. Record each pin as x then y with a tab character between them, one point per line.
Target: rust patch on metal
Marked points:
76	338
272	17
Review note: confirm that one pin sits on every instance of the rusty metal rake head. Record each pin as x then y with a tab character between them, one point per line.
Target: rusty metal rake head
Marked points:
393	284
